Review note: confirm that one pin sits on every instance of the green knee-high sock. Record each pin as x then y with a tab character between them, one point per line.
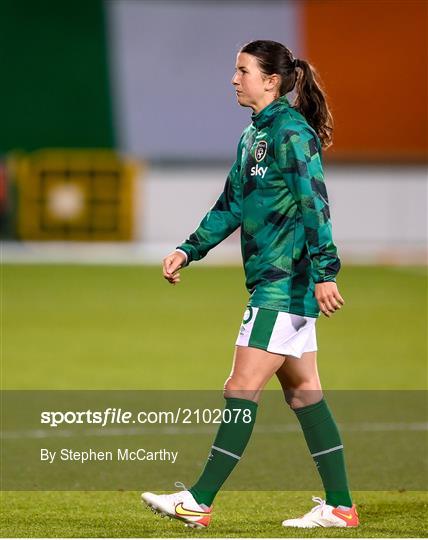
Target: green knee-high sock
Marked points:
229	445
324	442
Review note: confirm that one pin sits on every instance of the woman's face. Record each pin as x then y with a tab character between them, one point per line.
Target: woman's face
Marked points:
250	83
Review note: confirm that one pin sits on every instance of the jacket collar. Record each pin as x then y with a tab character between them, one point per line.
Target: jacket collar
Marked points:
266	115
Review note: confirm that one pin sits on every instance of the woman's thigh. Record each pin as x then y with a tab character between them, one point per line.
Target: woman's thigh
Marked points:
300	380
252	368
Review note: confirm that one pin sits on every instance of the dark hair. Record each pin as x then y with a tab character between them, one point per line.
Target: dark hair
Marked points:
274	57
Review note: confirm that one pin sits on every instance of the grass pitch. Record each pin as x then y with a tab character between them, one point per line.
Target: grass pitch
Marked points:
236	515
100	327
106	327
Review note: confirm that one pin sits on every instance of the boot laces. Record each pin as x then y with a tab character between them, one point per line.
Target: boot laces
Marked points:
178	497
319	506
180	485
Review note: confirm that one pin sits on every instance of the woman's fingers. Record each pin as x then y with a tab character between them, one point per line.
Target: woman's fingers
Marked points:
171	265
329	304
339	298
336	300
325	305
174	278
328	297
324	309
166	263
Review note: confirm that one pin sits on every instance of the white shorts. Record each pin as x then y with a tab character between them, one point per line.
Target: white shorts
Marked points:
277	332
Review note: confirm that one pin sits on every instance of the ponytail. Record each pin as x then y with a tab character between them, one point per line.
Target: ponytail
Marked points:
274	57
311	102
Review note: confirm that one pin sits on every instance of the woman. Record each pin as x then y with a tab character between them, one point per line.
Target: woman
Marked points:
275	192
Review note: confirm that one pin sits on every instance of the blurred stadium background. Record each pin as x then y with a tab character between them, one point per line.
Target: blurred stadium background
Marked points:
119	122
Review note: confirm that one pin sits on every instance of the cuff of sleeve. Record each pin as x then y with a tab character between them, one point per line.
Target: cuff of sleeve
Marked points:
187	261
324	279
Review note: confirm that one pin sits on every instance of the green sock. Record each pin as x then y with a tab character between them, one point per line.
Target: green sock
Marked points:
324	442
229	445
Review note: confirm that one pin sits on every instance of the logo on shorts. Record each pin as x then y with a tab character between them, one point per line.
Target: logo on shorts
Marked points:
248	315
261	150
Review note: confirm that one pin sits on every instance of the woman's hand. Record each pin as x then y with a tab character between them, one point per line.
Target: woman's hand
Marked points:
171	264
328	297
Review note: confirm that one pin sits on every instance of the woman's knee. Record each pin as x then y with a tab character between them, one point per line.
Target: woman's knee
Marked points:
303	395
240	388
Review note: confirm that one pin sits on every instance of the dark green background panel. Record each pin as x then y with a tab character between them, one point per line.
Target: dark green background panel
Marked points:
55	85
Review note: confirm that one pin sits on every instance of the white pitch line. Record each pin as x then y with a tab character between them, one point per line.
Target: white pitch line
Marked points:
201	430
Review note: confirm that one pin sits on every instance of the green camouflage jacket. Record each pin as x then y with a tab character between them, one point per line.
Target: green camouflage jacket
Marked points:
275	192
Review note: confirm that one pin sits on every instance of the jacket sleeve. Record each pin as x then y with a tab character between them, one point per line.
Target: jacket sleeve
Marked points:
223	218
299	158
